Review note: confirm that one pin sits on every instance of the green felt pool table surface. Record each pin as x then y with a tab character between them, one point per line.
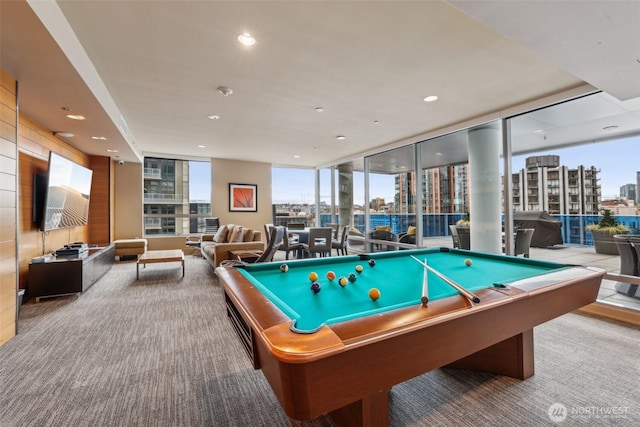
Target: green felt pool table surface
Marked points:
397	276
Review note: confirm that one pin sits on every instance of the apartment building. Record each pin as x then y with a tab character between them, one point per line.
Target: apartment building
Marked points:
546	185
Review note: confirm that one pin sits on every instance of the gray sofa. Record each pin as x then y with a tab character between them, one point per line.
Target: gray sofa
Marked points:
215	247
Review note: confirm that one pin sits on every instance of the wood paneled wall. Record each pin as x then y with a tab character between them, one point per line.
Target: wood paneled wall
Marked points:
8	206
34	143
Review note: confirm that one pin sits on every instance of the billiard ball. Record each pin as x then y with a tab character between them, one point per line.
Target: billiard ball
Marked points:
342	281
359	268
315	287
372	262
313	276
352	277
331	275
284	268
467	262
374	294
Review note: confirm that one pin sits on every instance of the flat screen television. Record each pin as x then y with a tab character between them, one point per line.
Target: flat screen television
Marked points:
67	195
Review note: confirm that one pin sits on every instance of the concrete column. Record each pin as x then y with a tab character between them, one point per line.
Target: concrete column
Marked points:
484	170
345	194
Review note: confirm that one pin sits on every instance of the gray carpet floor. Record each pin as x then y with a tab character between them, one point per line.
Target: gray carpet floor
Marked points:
159	352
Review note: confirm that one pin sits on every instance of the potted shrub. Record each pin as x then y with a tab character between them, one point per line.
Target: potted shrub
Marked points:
603	233
465	221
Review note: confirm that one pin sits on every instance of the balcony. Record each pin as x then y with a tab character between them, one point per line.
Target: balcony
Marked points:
161	198
152	173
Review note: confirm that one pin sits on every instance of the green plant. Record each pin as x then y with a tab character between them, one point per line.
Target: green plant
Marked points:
465	221
608	224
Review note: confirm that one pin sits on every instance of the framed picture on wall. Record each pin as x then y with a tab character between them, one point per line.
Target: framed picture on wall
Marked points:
243	198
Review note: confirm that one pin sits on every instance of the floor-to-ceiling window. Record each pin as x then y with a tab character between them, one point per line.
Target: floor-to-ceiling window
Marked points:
177	196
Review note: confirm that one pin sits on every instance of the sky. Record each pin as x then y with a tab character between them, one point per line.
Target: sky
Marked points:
618	162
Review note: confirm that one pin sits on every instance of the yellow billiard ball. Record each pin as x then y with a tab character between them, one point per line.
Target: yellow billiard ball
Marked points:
374	294
331	275
359	268
313	276
467	262
342	281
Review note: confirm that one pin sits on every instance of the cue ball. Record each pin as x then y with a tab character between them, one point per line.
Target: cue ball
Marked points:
315	287
342	281
284	268
372	262
467	262
352	277
313	276
359	268
331	275
374	294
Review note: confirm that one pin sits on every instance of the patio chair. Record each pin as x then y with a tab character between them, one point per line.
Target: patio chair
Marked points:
523	241
454	236
275	240
335	227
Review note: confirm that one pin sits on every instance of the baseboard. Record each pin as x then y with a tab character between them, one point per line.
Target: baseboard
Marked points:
614	312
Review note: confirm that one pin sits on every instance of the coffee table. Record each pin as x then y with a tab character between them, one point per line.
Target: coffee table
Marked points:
150	257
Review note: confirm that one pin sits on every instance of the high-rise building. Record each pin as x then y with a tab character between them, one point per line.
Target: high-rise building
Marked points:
638	188
628	191
166	193
545	185
445	190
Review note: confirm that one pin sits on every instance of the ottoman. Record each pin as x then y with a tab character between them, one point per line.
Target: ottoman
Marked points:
130	248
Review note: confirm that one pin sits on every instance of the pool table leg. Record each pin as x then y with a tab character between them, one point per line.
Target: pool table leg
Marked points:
370	411
512	357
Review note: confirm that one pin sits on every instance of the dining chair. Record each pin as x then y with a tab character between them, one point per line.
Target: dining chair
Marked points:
335	227
277	234
319	242
341	245
289	244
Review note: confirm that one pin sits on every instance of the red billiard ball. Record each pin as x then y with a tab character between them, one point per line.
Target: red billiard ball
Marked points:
331	275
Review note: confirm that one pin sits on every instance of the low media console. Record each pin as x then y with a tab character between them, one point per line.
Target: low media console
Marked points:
69	274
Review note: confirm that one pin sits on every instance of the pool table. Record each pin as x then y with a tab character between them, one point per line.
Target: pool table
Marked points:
339	351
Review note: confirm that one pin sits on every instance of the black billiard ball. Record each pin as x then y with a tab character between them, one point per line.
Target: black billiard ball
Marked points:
284	268
315	287
352	277
372	262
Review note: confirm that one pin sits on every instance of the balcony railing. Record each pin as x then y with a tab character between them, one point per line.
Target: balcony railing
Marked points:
162	198
574	227
152	173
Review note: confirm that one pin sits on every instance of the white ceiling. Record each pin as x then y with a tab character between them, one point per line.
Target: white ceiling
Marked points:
145	73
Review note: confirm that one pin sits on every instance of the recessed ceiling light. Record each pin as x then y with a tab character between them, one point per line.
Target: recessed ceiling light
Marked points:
99	138
610	127
341	137
538	131
430	98
75	116
296	156
319	109
213	117
201	146
63	134
375	122
246	39
109	150
225	91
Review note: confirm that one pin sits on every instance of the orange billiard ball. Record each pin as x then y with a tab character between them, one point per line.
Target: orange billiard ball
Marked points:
331	275
313	276
374	294
467	262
